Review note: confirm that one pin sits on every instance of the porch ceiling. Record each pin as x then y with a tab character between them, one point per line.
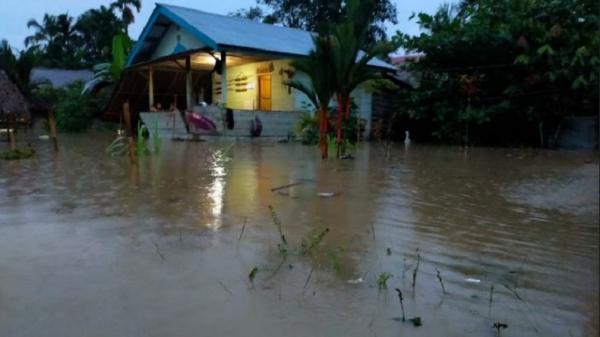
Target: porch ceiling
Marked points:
199	61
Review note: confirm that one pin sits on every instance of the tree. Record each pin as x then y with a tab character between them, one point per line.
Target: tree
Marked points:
504	72
351	53
107	73
125	8
57	38
318	70
311	14
18	67
97	27
254	13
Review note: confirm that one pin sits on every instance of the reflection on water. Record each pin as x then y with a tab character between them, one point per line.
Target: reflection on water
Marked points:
165	236
216	190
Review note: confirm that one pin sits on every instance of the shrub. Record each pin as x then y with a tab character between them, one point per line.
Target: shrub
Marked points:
74	110
307	129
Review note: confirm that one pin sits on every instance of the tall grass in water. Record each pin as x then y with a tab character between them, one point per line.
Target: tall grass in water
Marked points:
156	139
140	145
382	280
416	270
283	245
308	244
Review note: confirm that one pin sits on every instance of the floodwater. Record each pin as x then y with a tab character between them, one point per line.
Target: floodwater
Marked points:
90	246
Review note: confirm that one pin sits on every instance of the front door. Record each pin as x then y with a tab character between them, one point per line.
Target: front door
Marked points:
264	92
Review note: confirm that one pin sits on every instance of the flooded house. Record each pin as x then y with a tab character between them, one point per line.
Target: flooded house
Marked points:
228	69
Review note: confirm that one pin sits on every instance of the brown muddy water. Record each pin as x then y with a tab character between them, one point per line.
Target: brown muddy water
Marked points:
92	247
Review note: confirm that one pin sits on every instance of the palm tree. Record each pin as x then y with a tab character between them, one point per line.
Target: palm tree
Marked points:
43	32
58	38
351	53
97	28
125	8
18	67
54	29
317	68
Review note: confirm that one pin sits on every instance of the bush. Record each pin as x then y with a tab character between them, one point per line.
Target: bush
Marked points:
307	128
74	110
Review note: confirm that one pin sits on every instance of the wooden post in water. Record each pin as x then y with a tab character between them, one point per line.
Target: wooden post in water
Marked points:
128	132
150	87
224	79
11	138
52	126
10	128
174	116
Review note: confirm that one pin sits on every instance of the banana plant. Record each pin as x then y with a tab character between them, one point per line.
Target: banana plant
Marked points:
108	73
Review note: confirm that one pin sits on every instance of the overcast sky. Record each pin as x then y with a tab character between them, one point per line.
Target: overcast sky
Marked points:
14	14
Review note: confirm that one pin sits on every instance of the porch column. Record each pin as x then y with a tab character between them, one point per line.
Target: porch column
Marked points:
188	84
224	78
150	87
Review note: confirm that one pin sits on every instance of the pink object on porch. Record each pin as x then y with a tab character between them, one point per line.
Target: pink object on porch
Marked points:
200	122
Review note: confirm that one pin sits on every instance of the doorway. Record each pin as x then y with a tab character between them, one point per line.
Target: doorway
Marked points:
264	92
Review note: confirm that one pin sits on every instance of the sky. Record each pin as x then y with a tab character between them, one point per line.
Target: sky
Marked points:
14	14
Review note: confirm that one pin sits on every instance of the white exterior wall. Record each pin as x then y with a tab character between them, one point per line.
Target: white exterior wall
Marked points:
301	101
169	42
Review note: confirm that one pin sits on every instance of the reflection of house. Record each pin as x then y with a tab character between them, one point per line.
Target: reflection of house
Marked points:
59	78
188	56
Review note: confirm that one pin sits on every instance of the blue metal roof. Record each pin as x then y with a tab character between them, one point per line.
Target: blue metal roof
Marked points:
222	32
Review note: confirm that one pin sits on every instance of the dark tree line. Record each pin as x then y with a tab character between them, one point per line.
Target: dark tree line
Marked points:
311	15
62	41
504	72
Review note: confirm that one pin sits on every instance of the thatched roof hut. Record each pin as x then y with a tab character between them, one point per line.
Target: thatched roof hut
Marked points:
13	106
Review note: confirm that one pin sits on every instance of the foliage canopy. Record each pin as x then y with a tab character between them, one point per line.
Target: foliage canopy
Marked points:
504	72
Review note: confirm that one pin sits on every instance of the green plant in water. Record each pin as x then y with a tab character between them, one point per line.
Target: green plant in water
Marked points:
307	129
142	133
223	154
416	270
283	245
15	154
156	139
307	245
499	326
252	274
416	321
119	147
439	277
401	298
74	111
334	260
282	248
382	280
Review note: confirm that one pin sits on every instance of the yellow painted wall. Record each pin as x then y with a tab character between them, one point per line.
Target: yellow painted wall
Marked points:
282	100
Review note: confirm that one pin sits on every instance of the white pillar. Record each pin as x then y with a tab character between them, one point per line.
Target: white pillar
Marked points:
188	84
224	78
150	86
